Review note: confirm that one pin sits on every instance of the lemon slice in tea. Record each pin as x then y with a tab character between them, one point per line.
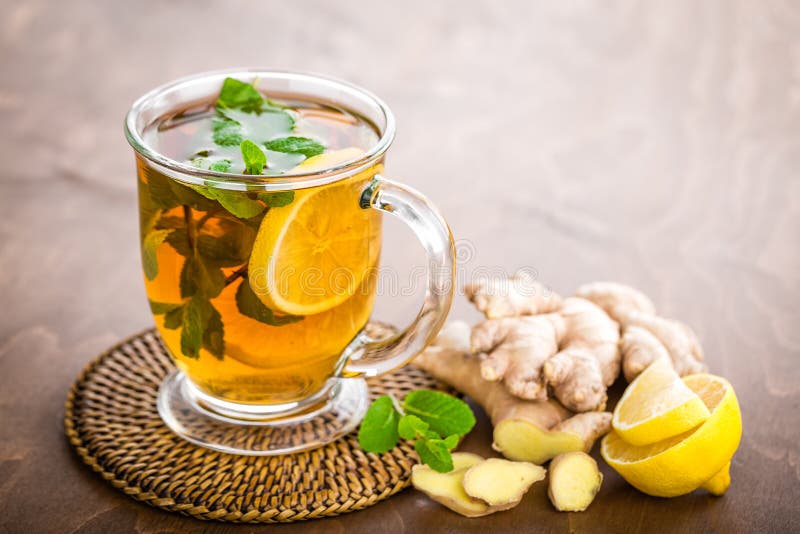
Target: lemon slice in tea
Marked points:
313	254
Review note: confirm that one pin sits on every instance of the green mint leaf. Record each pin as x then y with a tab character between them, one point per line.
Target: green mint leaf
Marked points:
277	199
239	203
254	158
214	334
173	319
195	317
179	241
226	132
434	453
190	195
444	413
212	164
236	94
296	145
160	188
160	308
149	260
378	432
198	278
222	251
411	426
169	222
249	305
451	441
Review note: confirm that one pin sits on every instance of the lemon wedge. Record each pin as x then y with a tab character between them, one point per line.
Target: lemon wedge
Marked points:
694	459
657	405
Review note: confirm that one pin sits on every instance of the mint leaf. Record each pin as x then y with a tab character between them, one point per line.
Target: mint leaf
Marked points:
238	203
411	426
160	187
226	132
378	432
296	145
236	94
214	334
213	164
277	199
223	251
254	158
179	241
444	413
195	317
159	308
173	319
249	305
149	259
451	442
200	278
189	195
434	453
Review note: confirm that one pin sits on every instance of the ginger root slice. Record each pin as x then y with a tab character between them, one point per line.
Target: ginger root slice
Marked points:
533	431
447	488
510	297
501	483
574	481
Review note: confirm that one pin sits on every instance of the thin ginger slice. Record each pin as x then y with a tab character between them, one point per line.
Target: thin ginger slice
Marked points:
501	483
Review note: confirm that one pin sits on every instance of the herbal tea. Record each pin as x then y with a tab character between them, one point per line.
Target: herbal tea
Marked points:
256	294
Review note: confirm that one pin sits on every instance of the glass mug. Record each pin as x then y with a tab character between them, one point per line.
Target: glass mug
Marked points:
250	379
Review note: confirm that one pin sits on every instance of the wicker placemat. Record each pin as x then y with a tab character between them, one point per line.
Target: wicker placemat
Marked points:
112	421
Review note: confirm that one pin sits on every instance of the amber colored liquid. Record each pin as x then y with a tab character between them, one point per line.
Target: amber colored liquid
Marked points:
261	363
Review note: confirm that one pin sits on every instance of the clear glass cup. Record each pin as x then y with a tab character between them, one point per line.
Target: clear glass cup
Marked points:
293	383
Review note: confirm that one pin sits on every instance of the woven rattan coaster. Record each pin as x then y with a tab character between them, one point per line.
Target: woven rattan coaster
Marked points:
112	421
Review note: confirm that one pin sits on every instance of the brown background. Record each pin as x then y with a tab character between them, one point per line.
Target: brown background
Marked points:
654	143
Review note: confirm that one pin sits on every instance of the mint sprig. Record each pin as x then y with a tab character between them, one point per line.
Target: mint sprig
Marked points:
435	421
254	158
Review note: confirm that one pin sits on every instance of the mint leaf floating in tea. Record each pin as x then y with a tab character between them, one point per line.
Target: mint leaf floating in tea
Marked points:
173	319
195	317
226	132
296	145
149	245
160	308
277	199
236	94
254	158
249	305
378	432
434	420
214	334
201	278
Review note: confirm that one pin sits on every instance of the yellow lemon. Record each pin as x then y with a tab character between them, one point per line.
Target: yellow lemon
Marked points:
657	405
683	463
312	255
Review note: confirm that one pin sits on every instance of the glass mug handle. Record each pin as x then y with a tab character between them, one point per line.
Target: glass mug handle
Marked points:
367	357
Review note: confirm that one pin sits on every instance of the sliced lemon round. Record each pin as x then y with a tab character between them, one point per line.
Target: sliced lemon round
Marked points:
681	464
657	405
312	255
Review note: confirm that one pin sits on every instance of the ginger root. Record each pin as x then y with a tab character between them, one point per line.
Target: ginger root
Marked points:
517	295
532	431
519	344
574	481
645	335
447	488
477	487
501	483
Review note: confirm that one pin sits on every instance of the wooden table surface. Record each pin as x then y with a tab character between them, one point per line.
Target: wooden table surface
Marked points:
653	143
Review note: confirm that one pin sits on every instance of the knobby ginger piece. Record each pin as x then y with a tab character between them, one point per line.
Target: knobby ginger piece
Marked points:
574	481
501	483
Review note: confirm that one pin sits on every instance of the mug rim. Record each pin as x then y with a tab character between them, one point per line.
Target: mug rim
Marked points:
237	181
